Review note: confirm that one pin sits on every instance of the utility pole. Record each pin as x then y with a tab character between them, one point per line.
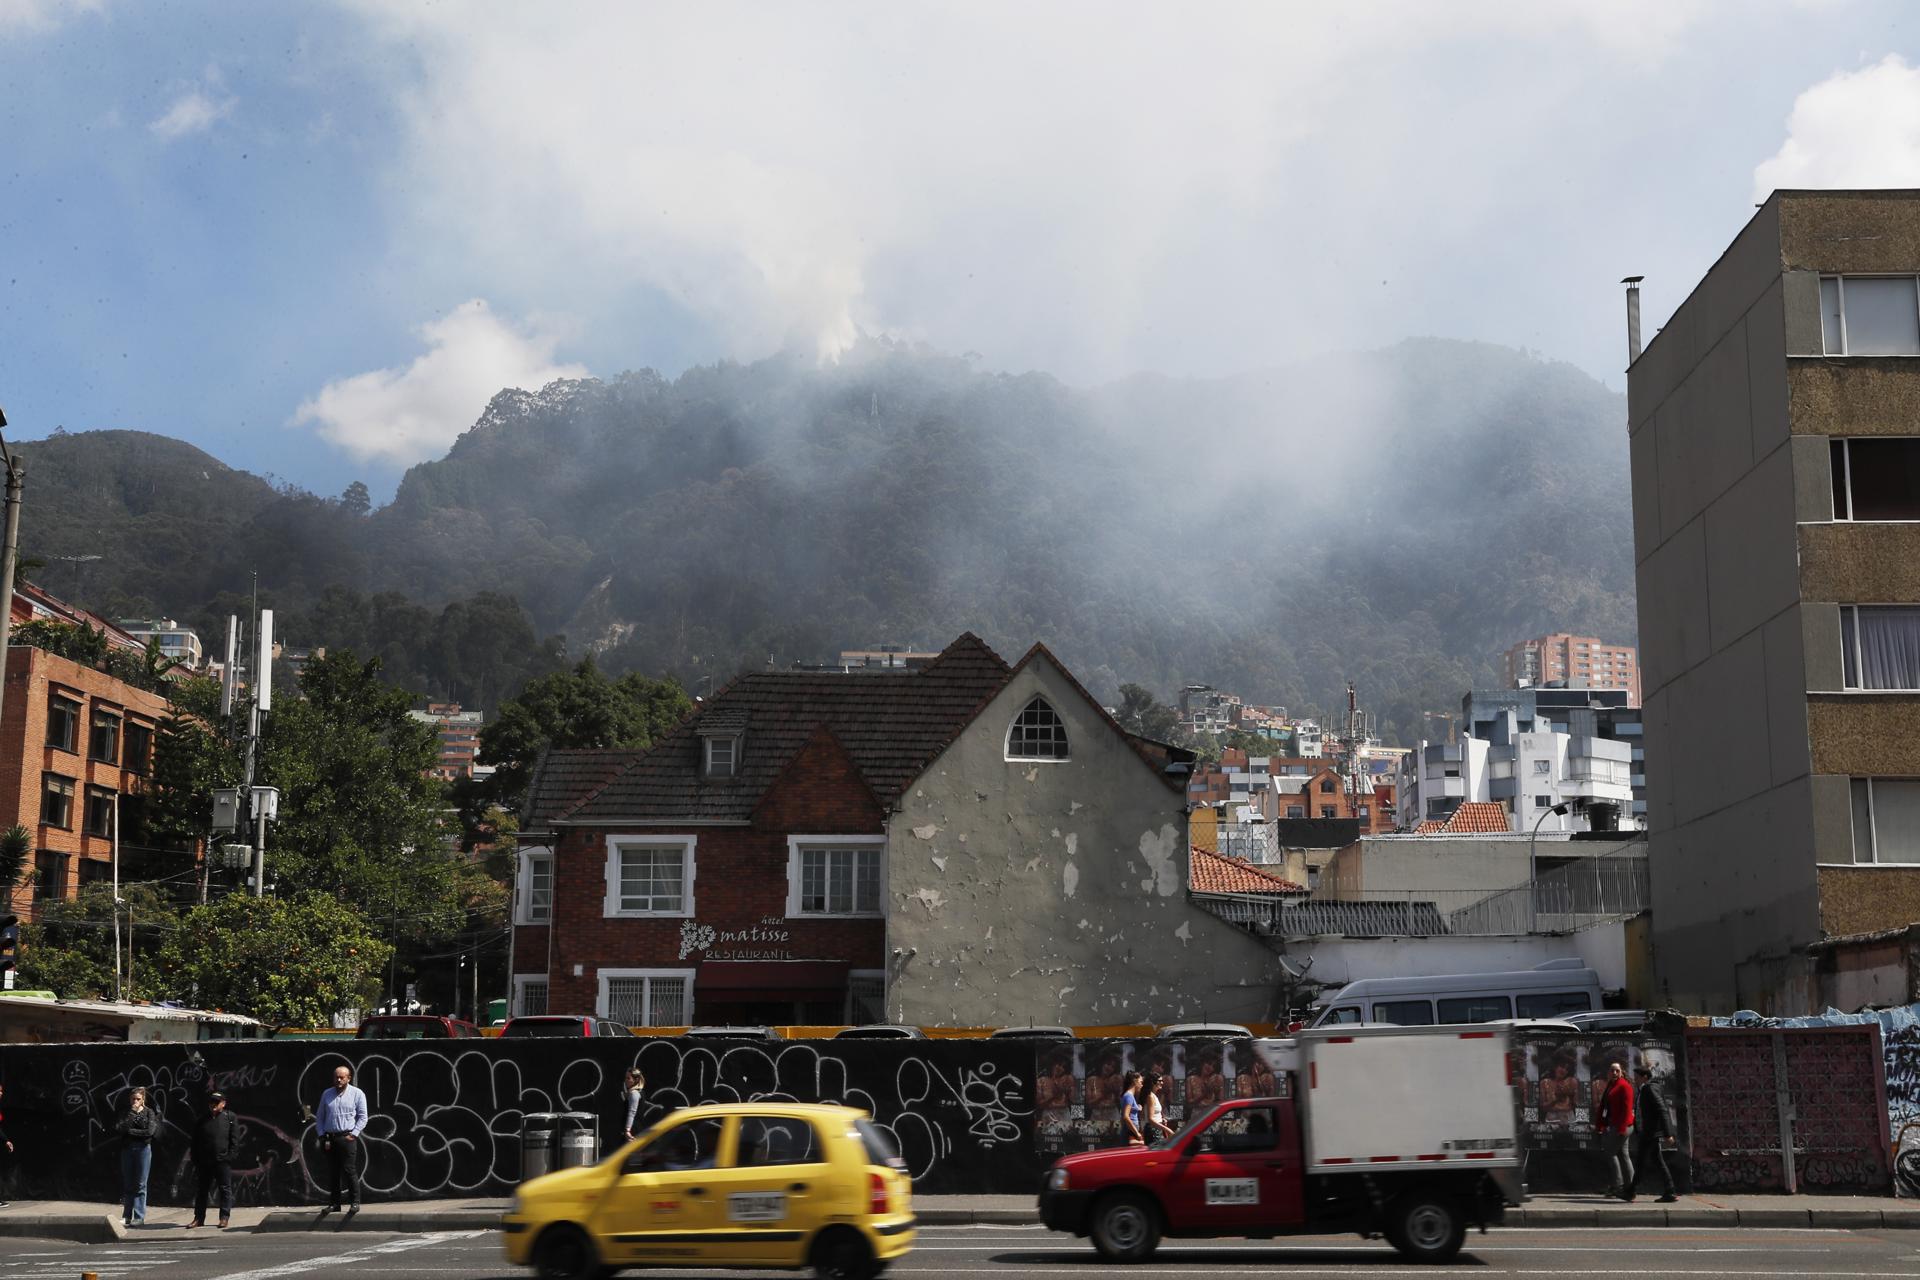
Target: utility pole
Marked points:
16	474
117	993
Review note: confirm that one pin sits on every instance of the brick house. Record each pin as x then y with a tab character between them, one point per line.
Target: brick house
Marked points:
76	751
959	844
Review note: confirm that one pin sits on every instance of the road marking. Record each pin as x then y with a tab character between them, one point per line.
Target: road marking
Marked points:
364	1254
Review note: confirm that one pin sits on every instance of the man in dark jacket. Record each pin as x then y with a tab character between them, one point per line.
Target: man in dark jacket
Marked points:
1653	1132
216	1141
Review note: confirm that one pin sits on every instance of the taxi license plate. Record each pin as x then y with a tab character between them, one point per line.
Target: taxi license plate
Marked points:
757	1206
1233	1191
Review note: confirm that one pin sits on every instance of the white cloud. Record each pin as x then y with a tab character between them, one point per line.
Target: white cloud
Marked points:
192	112
1060	184
42	15
1854	129
402	416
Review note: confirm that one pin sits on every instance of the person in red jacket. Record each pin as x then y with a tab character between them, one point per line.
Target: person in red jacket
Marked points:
1616	1123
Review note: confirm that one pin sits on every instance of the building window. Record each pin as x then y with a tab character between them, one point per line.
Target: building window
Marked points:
1326	810
1541	802
1869	315
1886	820
1876	478
99	812
56	802
835	875
646	997
137	758
104	742
1037	733
649	877
723	756
1880	646
536	887
1296	811
866	997
63	722
1328	786
49	876
1542	768
529	996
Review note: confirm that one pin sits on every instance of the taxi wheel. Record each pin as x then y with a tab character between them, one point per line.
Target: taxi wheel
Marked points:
1426	1227
1126	1227
565	1253
844	1255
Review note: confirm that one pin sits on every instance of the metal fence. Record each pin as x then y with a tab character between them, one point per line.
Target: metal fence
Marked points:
1579	895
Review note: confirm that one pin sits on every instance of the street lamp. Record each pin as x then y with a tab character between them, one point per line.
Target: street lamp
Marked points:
1533	865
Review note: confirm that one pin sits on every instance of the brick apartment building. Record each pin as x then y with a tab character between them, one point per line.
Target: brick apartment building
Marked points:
1573	660
76	749
459	733
961	843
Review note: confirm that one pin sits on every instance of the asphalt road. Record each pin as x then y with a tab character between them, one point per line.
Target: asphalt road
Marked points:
1019	1251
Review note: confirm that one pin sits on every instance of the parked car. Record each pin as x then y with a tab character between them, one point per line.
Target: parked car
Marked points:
880	1031
1033	1033
560	1026
747	1185
413	1026
1555	989
1203	1030
728	1033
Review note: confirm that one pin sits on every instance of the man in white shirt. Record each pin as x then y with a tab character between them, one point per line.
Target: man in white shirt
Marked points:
341	1117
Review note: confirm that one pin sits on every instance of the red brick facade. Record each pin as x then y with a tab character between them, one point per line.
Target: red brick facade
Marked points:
67	856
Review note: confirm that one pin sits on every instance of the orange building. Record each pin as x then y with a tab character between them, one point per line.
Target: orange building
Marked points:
1573	660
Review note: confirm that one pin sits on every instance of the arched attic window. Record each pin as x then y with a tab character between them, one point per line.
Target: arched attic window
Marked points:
1037	733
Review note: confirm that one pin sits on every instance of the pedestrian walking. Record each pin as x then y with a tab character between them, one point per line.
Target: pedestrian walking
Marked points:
630	1094
216	1142
1616	1122
1157	1127
1653	1133
342	1117
6	1154
136	1128
1131	1113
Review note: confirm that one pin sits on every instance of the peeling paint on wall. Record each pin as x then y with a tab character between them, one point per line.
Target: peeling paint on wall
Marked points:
1185	931
1073	843
1070	876
932	899
927	832
939	862
1163	872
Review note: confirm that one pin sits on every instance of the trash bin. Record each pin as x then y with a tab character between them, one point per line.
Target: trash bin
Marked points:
536	1144
576	1141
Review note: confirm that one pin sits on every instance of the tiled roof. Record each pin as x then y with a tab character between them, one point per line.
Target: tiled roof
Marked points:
1475	817
563	778
891	724
1217	873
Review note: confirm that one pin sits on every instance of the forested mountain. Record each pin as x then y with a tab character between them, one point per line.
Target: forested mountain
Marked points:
1394	518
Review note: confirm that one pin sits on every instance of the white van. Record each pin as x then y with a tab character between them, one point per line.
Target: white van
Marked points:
1550	990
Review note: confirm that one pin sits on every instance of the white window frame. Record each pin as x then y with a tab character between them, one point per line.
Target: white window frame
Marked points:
795	844
733	755
1006	742
1846	459
1873	834
610	907
521	981
602	1002
1840	284
523	885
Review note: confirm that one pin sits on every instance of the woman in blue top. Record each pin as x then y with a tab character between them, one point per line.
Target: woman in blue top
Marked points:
1130	1110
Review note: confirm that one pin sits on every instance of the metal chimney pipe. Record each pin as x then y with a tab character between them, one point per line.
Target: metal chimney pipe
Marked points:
1633	318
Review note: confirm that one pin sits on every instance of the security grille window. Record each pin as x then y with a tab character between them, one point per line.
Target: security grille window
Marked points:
721	757
840	882
1037	733
99	812
1880	646
138	755
533	997
866	997
63	722
1886	820
644	999
56	802
653	880
1870	315
539	903
104	743
1876	478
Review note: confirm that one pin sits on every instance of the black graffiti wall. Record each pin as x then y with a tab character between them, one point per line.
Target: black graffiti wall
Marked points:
446	1115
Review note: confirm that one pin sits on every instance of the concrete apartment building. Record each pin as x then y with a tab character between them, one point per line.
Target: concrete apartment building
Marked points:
459	733
1775	427
1573	660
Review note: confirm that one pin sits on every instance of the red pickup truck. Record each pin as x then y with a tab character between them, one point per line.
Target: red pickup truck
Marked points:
1410	1133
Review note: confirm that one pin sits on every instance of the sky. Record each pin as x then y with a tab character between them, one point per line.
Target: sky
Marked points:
315	239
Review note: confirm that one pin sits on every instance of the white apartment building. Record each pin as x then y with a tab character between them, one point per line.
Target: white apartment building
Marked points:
1528	769
181	644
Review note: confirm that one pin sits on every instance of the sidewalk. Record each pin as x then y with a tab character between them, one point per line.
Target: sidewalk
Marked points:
99	1224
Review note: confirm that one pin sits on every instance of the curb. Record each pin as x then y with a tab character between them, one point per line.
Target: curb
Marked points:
77	1227
971	1217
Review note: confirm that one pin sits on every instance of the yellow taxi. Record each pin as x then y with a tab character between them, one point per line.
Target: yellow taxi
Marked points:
742	1185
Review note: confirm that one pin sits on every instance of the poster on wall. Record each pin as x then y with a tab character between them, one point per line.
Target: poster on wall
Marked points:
1565	1077
1078	1086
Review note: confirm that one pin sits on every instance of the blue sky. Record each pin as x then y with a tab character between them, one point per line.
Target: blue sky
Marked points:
313	239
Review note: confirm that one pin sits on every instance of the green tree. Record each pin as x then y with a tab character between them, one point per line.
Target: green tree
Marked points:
291	961
1142	713
68	949
16	849
356	500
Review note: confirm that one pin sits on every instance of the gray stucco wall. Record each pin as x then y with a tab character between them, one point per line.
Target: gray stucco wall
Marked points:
1723	651
1055	892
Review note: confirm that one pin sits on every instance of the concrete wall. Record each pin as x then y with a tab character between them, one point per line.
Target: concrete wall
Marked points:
1454	864
1722	648
1337	961
1065	901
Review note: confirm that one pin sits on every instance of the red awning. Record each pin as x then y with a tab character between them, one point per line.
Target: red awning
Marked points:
726	980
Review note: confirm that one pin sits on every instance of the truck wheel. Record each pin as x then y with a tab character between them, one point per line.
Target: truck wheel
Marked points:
1426	1227
1126	1227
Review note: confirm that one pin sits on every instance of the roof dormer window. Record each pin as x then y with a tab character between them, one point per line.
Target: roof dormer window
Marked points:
723	757
1037	733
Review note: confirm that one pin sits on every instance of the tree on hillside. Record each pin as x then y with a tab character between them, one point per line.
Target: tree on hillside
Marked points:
287	961
1142	713
355	500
